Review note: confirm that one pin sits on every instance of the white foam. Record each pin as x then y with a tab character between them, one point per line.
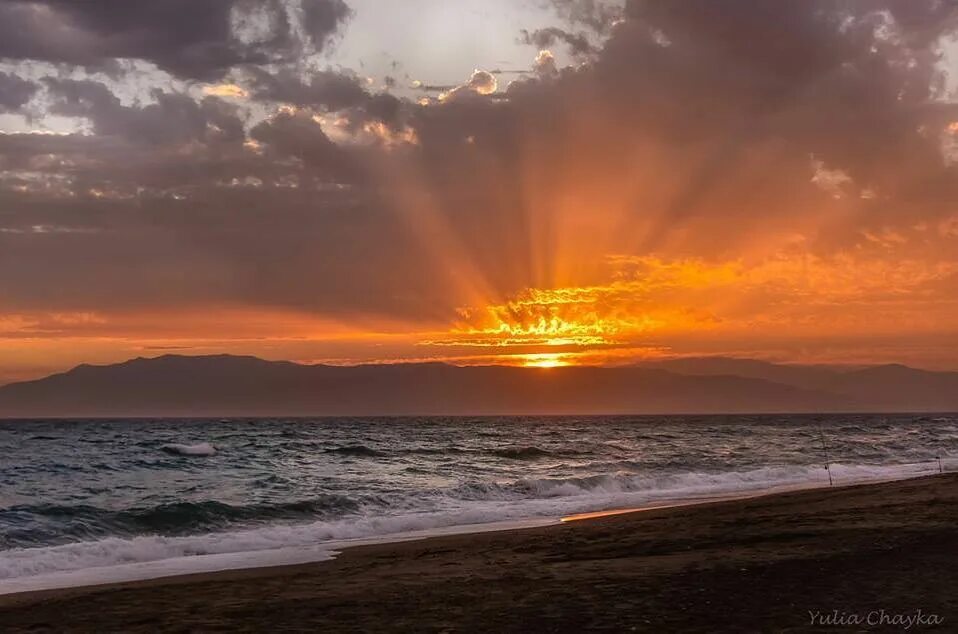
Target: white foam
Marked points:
242	560
174	567
202	449
488	507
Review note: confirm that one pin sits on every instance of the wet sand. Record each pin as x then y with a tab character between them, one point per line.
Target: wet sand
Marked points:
878	552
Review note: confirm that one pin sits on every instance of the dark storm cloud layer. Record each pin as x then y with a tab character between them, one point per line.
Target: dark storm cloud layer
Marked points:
191	39
699	121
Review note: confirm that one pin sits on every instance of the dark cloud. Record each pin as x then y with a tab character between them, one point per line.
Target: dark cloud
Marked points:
384	107
834	79
297	135
578	43
321	19
435	87
173	118
597	15
922	22
15	92
323	90
697	131
139	226
192	39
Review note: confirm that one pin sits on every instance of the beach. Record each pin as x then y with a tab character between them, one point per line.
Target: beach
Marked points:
867	557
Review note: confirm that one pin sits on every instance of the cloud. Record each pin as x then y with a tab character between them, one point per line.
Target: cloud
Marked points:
545	64
597	15
172	118
323	90
482	83
322	18
578	43
231	91
327	91
191	39
650	297
15	92
298	135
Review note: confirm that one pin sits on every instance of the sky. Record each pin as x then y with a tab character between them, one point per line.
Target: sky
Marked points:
534	183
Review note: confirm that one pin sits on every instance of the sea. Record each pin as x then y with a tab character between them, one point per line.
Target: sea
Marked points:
96	501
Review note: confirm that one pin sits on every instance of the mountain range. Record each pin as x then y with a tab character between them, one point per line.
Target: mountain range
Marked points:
227	385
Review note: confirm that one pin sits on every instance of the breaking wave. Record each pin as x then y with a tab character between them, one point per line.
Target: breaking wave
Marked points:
152	533
523	453
202	449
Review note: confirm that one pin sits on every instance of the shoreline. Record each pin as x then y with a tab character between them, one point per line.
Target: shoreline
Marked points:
92	579
469	545
754	564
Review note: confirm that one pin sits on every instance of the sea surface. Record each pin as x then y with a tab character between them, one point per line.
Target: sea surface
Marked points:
83	501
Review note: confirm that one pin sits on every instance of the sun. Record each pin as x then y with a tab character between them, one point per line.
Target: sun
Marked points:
549	360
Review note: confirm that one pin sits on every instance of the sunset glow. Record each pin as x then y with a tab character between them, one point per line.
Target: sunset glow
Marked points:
545	361
599	199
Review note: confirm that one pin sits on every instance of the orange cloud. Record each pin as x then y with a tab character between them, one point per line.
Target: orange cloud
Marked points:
652	297
225	90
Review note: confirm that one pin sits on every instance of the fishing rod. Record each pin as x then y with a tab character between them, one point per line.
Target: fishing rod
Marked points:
828	467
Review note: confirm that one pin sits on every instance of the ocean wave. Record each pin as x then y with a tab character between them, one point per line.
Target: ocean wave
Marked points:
522	453
432	451
356	450
182	516
40	522
201	449
469	503
511	453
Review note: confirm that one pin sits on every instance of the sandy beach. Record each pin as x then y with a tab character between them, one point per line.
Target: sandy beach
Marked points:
841	559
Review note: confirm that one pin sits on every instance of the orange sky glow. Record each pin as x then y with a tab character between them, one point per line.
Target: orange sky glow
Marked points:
795	308
656	190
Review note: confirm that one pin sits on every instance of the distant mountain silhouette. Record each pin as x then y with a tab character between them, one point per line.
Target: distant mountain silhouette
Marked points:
813	377
247	386
898	387
893	387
